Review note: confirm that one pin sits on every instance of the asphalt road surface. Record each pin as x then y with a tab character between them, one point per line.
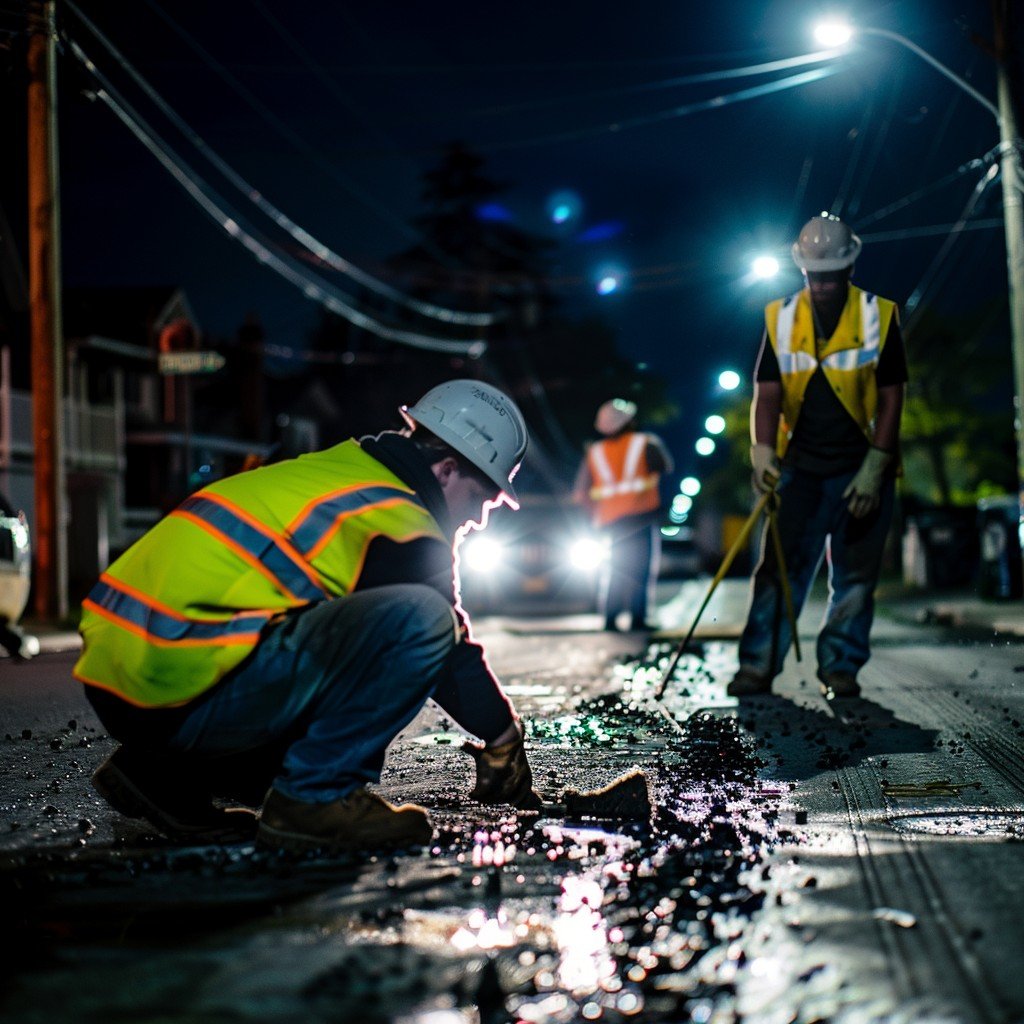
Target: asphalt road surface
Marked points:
804	861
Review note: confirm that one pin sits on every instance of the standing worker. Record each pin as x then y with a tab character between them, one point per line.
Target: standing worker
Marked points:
296	618
618	481
828	396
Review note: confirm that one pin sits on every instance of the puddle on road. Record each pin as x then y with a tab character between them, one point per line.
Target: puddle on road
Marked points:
962	824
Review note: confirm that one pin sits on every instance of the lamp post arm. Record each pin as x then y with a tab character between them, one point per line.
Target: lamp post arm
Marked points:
938	65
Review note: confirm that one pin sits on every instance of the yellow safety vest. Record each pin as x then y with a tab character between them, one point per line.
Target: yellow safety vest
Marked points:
186	603
622	484
848	359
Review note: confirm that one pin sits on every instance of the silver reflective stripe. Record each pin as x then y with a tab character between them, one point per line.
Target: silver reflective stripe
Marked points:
790	361
604	471
630	482
637	444
871	334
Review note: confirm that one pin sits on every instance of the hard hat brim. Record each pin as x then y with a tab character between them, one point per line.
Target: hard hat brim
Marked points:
828	263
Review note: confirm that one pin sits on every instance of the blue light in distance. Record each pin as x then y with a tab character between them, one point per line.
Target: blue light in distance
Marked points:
494	212
729	380
563	207
607	284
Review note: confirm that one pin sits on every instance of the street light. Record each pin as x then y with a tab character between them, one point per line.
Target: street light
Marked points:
715	424
728	380
835	33
690	486
765	267
705	446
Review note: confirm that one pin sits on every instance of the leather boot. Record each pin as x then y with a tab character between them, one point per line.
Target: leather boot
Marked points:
360	821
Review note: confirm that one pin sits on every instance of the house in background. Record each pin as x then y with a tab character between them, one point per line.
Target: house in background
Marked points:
131	450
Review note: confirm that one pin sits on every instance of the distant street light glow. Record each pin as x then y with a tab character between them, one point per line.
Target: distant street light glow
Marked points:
608	284
833	33
563	207
728	380
682	503
715	424
765	267
690	486
704	446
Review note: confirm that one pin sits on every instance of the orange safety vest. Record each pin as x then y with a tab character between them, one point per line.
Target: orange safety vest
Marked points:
621	481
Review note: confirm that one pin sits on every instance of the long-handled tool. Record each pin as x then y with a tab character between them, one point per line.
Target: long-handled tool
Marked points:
768	503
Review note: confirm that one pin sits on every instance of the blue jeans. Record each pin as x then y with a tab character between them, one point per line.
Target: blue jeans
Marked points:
813	520
330	686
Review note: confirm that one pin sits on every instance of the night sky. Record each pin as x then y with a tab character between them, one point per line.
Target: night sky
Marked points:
346	105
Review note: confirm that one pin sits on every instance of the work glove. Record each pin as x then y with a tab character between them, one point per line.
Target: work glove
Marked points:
503	775
865	489
766	467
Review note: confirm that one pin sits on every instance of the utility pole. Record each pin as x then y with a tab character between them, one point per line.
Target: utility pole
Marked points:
1013	214
49	540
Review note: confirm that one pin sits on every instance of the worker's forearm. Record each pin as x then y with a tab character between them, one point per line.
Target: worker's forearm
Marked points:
765	412
887	417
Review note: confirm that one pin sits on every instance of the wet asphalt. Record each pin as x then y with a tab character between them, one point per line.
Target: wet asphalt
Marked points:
804	860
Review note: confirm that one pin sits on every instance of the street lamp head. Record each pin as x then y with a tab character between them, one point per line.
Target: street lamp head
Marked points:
765	267
833	33
729	380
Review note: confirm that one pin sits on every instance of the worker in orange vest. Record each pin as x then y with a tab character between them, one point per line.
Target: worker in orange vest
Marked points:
618	481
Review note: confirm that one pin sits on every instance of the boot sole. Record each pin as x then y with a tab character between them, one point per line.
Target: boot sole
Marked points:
299	842
126	798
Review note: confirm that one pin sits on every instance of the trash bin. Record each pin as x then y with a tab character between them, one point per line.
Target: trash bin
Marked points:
999	533
940	547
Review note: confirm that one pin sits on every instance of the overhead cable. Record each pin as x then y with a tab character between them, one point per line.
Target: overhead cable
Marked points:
234	225
285	130
303	237
714	103
913	197
700	78
936	274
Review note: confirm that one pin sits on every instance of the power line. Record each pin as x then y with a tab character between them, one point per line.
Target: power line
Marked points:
303	237
700	78
283	129
234	225
714	103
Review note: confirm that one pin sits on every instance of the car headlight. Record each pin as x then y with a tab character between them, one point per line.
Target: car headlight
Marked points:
481	554
588	553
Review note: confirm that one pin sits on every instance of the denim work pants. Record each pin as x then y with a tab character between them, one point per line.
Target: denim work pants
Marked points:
633	553
813	519
330	686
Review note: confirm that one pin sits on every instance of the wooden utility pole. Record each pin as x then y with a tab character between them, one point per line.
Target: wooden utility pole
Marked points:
49	536
1013	209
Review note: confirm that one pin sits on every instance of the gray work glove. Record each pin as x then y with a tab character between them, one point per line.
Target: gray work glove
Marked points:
766	467
865	489
503	775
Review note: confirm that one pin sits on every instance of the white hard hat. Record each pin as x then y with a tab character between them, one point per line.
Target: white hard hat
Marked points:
614	415
825	243
478	421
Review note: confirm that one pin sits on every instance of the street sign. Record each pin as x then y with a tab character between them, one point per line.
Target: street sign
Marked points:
189	362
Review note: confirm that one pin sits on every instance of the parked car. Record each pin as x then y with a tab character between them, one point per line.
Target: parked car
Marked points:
544	557
15	578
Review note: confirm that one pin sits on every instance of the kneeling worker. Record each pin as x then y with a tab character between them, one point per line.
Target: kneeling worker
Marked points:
295	618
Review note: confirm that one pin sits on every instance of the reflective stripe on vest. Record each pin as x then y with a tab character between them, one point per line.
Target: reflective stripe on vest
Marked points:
255	543
631	482
187	602
156	623
630	491
315	525
848	358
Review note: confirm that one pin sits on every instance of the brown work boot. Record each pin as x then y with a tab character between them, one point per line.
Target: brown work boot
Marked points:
838	684
360	821
748	683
